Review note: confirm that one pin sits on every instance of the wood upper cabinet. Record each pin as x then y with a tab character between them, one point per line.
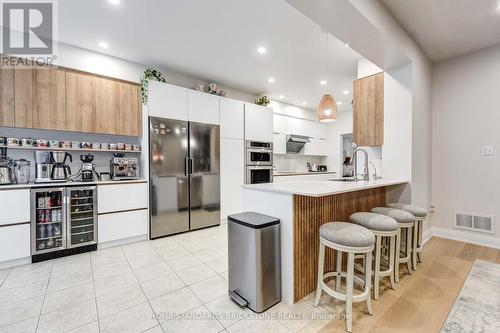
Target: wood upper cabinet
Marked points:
68	100
7	97
80	102
123	109
49	99
368	110
23	97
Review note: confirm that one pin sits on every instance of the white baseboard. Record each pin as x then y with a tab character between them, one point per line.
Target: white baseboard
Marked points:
122	241
466	237
15	262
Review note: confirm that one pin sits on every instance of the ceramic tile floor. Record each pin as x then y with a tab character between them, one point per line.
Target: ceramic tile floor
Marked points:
173	284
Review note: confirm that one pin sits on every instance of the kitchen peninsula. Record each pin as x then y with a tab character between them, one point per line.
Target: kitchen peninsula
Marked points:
302	207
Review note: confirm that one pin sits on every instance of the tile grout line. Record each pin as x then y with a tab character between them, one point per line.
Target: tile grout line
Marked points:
44	295
140	286
202	303
95	295
6	276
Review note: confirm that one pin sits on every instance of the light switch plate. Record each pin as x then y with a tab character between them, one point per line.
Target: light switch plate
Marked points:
486	150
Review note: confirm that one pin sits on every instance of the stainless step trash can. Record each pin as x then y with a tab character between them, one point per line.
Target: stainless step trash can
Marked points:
254	260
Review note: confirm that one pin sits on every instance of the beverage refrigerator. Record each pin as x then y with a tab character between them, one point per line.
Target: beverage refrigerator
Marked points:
63	221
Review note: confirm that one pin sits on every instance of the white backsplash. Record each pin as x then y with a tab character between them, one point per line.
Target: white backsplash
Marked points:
101	159
296	163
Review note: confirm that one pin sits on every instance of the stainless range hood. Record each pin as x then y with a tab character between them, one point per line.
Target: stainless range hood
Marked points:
295	143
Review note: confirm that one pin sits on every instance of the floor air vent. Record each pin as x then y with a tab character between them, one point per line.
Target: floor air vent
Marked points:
475	222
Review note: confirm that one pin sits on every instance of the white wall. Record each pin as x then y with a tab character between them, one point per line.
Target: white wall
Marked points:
466	115
421	100
367	68
89	61
293	110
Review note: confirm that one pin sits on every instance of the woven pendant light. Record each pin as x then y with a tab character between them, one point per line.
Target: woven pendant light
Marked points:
327	109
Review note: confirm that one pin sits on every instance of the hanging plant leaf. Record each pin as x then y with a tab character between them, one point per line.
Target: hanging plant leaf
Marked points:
149	74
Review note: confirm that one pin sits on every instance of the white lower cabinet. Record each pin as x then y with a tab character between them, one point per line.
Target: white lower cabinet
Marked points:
122	211
232	171
116	226
14	242
14	206
119	197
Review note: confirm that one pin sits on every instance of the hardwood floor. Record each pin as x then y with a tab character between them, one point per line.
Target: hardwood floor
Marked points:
421	302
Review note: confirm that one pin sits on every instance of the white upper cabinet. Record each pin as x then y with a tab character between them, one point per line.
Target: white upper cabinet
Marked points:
258	123
203	108
316	147
279	134
232	119
167	101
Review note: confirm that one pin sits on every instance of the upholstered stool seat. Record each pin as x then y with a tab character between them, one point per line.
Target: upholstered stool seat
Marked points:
405	221
352	239
420	214
374	221
384	228
346	234
414	210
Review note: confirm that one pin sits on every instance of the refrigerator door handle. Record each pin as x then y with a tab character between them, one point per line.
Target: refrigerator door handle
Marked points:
186	166
190	166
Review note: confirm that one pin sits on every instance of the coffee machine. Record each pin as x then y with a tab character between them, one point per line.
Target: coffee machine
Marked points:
7	175
88	168
60	170
43	167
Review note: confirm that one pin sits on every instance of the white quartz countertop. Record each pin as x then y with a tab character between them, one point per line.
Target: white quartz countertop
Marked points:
75	183
319	188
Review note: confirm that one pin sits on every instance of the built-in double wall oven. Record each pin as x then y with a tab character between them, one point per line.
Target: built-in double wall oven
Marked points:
259	162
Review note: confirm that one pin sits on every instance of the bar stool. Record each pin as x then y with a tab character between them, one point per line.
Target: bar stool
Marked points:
405	221
420	214
383	227
352	239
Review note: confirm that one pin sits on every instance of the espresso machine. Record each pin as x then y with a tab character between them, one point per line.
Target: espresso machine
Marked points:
43	167
60	170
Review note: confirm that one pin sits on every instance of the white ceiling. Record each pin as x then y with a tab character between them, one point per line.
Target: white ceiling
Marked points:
218	40
448	28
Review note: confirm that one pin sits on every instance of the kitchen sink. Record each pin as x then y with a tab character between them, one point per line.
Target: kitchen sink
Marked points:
343	180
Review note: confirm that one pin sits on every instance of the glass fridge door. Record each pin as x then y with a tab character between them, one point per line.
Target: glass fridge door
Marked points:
48	223
82	216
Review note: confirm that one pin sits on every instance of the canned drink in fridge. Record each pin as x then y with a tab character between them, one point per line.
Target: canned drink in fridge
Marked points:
41	202
39	215
46	215
42	231
54	215
48	201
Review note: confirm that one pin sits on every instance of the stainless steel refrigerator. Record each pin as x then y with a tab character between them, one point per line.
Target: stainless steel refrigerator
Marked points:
184	176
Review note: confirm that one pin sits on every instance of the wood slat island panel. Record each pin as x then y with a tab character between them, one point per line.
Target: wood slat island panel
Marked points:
309	213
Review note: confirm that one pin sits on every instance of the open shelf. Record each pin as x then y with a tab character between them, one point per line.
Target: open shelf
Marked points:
73	149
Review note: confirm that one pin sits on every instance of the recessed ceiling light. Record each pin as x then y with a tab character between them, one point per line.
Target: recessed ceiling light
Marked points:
346	44
104	45
345	92
304	103
322	82
339	103
271	80
282	96
114	2
261	50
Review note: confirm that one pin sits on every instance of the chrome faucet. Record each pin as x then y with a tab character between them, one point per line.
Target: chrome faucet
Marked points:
366	172
375	175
